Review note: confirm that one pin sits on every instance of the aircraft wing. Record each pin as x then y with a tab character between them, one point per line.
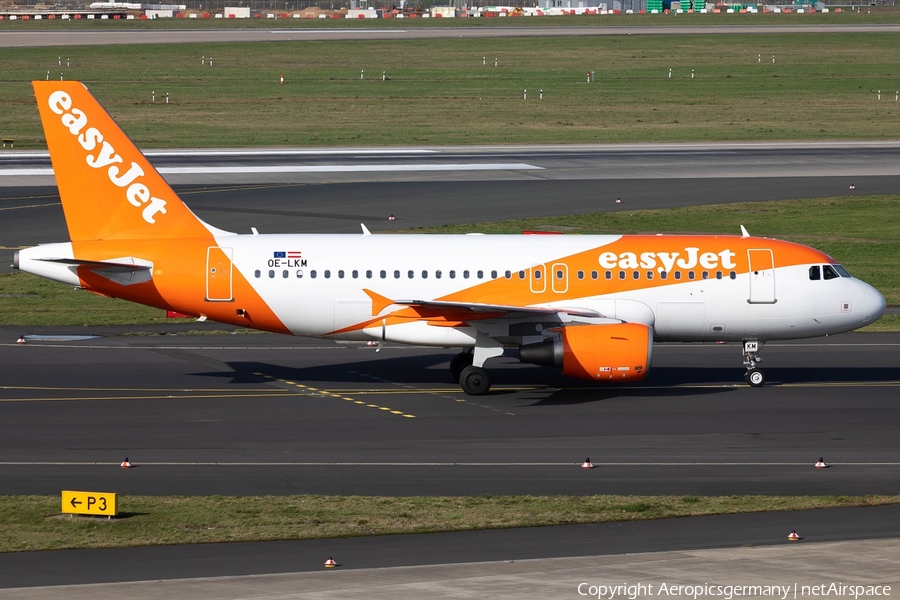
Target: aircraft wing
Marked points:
510	312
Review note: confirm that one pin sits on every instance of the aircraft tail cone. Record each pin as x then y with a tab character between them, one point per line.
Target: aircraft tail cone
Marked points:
587	464
821	464
330	564
792	536
126	464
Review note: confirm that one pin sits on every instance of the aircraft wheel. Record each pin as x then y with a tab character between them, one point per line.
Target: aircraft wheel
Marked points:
755	378
475	381
460	362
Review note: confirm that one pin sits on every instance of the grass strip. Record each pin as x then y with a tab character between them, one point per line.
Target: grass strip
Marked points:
439	92
862	232
26	523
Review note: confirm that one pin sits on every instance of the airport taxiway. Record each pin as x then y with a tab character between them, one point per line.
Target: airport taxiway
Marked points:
257	414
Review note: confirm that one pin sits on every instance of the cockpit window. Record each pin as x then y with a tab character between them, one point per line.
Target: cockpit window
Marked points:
828	272
815	273
843	272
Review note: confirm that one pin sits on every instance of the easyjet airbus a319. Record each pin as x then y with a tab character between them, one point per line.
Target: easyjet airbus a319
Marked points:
590	305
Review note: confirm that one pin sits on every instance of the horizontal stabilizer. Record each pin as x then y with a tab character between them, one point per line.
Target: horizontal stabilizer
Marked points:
124	271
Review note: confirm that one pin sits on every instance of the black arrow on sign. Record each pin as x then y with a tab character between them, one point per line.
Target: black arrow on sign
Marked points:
75	502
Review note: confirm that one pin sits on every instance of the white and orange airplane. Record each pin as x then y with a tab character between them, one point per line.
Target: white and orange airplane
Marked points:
591	305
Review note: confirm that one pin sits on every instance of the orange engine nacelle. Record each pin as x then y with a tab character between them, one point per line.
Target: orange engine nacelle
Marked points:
619	352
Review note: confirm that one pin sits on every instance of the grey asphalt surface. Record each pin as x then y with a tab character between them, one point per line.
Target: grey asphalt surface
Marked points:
288	33
266	414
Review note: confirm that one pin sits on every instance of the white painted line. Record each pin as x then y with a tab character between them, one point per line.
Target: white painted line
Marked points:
260	152
350	168
235	170
343	152
447	464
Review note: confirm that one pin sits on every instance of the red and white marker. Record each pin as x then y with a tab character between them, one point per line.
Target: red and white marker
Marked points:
126	464
792	536
330	564
587	464
821	464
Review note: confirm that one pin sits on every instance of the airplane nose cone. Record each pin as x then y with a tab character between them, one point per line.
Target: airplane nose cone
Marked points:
874	305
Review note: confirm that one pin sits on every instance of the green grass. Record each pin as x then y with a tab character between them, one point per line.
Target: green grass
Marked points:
26	522
862	232
438	92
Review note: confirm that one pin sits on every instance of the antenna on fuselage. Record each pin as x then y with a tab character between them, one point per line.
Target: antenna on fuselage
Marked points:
365	229
744	233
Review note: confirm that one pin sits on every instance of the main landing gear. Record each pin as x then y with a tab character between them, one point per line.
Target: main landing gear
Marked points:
475	381
467	367
754	377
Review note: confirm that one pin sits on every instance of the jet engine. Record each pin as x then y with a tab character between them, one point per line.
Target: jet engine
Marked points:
618	352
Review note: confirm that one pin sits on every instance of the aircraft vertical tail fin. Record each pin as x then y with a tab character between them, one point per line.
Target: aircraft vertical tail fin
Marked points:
108	189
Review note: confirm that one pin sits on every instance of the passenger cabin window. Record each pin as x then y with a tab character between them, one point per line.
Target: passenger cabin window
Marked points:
437	274
382	274
815	273
828	272
608	275
312	273
580	274
257	274
396	274
594	274
465	274
327	274
521	274
508	274
299	273
368	274
271	274
355	274
452	274
410	274
285	274
341	274
493	274
424	274
480	274
537	273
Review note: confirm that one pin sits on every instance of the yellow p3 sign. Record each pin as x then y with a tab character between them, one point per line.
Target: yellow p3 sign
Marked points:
90	503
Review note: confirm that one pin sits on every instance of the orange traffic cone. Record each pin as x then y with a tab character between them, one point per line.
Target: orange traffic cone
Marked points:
330	564
587	464
391	218
792	536
126	464
21	339
821	464
618	201
282	80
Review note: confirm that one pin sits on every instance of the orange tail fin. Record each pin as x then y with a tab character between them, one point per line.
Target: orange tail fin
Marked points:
108	189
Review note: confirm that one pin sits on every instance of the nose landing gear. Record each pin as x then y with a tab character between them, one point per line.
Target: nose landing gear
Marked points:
754	376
